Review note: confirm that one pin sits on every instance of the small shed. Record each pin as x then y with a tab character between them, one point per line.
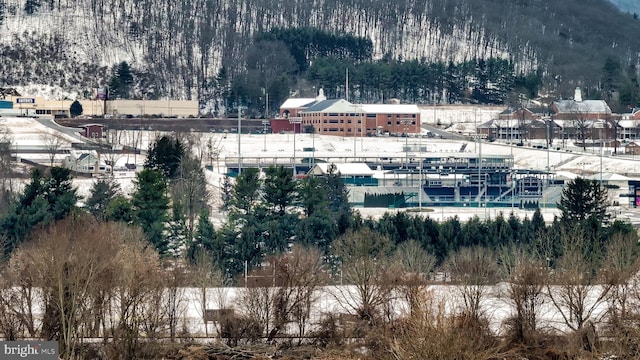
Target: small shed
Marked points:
92	131
632	148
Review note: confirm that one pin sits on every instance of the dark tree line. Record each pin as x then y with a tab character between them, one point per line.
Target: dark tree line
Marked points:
268	214
285	59
307	44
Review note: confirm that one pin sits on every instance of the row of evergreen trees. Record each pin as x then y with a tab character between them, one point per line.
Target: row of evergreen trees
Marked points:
267	214
280	60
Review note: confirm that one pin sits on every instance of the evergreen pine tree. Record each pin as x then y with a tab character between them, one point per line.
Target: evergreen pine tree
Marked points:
45	198
32	6
102	193
120	209
177	236
165	154
227	187
75	109
150	205
121	82
205	240
582	200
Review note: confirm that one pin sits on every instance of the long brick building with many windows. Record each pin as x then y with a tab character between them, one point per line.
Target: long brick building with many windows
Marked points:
342	118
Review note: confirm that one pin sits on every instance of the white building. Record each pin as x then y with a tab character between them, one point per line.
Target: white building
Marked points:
87	162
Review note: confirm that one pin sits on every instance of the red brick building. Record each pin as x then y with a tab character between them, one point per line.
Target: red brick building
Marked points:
342	118
92	131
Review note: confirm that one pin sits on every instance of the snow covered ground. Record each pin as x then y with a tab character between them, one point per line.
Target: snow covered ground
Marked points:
567	162
29	132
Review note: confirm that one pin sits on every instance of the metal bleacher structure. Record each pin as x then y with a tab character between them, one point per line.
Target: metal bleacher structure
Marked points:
434	179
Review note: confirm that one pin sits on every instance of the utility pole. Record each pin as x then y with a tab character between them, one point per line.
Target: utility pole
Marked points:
479	155
420	186
264	132
294	121
239	143
405	122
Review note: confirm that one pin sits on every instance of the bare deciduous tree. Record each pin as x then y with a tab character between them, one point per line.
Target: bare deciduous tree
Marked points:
138	281
366	266
431	332
67	262
191	190
298	275
526	277
53	144
205	275
473	270
6	169
578	287
621	268
415	265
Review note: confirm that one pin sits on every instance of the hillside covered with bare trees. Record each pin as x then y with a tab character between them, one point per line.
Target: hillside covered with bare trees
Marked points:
194	49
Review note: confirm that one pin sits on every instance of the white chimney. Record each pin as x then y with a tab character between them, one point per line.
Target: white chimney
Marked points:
321	96
578	95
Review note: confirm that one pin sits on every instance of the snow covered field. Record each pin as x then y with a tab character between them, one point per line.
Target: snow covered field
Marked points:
30	132
568	162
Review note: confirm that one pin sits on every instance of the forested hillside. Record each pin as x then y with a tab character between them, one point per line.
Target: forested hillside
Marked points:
199	48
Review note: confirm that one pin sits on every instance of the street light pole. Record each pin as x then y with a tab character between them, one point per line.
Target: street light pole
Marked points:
264	132
362	129
239	143
405	122
601	153
420	186
313	145
355	128
294	121
479	154
355	137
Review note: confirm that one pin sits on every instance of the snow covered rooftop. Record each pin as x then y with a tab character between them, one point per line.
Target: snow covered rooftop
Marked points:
294	103
333	106
585	106
391	108
345	169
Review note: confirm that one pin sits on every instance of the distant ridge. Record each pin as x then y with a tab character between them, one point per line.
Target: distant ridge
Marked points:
177	48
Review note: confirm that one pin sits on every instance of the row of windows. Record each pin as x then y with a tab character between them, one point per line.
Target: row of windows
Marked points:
339	122
338	130
389	116
402	123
